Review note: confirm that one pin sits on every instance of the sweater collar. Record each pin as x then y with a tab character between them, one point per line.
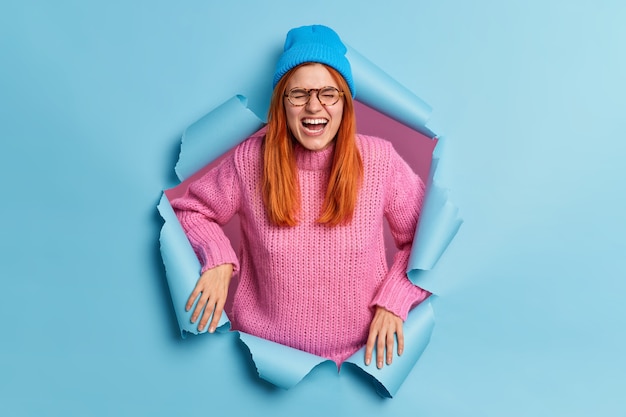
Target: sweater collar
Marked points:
314	160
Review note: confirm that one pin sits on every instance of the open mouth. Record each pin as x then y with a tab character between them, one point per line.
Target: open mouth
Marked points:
314	125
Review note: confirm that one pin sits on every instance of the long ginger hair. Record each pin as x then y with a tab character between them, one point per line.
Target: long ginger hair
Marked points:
281	193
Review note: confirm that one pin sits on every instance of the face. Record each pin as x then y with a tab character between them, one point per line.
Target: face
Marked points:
313	125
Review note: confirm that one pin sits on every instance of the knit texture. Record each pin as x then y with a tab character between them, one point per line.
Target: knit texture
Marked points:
312	287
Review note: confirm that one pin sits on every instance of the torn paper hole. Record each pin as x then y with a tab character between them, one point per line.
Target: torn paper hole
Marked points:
220	130
204	141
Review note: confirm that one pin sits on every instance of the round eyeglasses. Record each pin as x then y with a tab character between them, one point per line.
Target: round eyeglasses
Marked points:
301	96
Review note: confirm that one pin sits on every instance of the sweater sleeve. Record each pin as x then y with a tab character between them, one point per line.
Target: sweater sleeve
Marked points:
209	203
402	208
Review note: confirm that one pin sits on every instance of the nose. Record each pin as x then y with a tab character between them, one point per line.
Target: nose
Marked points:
314	104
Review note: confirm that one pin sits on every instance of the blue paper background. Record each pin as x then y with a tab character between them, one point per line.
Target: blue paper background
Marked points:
530	97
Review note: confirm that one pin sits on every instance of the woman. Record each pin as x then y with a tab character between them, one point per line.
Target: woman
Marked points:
312	196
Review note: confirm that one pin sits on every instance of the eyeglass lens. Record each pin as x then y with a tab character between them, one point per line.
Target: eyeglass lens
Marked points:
326	95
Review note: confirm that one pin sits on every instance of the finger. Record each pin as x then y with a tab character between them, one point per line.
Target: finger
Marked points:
380	349
199	307
400	335
369	347
206	315
192	298
390	342
217	314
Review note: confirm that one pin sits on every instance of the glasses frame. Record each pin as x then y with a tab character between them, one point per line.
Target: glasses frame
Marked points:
317	94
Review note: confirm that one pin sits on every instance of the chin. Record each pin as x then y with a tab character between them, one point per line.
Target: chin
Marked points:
315	145
314	142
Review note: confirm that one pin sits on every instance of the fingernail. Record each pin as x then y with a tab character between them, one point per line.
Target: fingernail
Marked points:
380	364
211	329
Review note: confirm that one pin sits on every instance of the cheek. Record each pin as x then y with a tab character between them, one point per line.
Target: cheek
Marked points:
292	119
336	117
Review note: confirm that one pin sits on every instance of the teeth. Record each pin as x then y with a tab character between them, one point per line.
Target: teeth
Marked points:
315	121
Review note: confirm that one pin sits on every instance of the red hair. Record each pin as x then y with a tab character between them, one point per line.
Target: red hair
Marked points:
281	193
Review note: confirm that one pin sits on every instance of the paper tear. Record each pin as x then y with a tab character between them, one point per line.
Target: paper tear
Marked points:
214	134
181	266
281	365
202	142
377	89
417	329
229	124
438	225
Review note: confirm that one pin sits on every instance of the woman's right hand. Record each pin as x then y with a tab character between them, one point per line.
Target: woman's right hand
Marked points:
212	288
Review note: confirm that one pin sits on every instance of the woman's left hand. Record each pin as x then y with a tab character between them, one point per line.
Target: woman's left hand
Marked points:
384	328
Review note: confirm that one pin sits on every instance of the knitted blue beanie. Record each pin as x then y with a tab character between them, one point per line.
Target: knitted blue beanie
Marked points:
315	43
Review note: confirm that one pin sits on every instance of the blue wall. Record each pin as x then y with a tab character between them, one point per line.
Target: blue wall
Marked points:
530	98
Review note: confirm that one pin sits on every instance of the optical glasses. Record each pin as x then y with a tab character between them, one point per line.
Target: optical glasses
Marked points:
326	95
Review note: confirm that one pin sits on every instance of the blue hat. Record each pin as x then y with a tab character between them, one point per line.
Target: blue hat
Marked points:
315	43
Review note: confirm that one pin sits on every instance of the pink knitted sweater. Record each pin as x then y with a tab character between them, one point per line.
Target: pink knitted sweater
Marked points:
311	286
